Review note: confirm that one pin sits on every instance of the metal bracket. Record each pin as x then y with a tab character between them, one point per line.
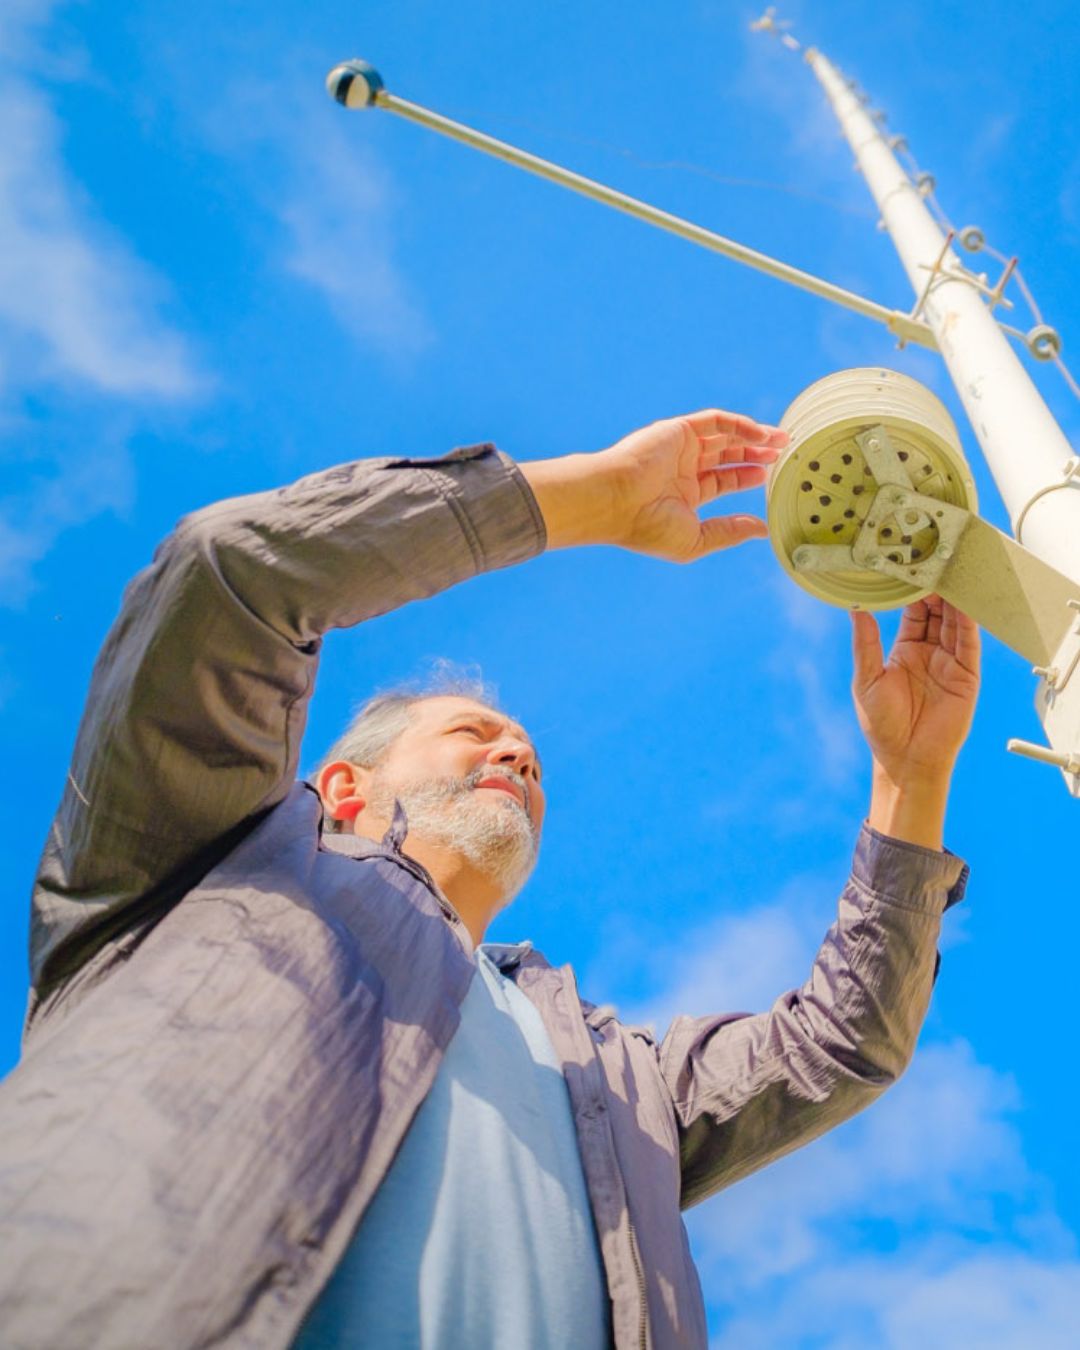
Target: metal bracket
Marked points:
915	512
1058	707
939	274
882	457
824	558
1065	660
1069	470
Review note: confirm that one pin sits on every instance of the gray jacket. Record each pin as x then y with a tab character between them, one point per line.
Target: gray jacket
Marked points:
235	1017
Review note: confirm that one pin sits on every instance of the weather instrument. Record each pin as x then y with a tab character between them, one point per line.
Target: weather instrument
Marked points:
873	504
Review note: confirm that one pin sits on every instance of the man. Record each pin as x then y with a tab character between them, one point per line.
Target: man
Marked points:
272	1094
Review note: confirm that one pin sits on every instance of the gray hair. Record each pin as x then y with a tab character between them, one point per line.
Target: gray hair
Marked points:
377	724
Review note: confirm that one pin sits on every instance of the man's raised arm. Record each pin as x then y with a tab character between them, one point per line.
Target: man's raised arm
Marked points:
198	699
746	1090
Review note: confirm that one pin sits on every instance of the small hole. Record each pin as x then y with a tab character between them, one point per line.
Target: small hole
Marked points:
903	454
825	501
846	459
806	486
886	533
870	524
835	478
894	557
927	468
858	490
868	471
939	514
849	515
815	520
837	528
916	553
913	570
905	538
814	466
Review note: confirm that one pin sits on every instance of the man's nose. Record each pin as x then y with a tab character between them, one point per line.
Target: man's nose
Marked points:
513	754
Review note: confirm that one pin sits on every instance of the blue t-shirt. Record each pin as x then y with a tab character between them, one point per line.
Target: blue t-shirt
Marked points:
481	1234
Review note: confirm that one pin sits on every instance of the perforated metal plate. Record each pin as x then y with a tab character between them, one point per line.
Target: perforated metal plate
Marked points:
821	489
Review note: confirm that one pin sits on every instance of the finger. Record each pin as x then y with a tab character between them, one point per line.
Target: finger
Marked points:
716	450
948	629
726	531
914	622
716	482
968	641
715	422
934	619
866	649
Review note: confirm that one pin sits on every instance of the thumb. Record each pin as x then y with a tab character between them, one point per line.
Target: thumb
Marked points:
726	531
866	648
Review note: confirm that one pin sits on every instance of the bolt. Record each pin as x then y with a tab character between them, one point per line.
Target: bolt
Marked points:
876	564
1047	673
802	557
944	551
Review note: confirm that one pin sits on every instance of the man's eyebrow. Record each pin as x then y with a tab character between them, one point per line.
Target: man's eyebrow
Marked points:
489	719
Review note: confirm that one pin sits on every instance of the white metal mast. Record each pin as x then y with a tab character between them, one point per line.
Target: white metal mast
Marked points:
1025	448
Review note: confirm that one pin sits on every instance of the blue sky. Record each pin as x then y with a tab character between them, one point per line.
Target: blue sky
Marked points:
213	280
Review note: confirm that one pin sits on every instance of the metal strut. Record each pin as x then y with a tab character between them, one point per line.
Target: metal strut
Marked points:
355	84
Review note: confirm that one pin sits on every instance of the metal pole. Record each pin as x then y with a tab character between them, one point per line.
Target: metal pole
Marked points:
1032	463
355	84
896	321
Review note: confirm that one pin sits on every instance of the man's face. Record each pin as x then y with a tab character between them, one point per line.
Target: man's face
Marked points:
456	738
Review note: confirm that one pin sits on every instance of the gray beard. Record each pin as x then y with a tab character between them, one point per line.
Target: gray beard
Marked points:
495	837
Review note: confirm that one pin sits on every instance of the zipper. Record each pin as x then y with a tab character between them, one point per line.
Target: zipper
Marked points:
643	1316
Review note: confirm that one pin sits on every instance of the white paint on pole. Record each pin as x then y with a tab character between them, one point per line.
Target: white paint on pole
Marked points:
1025	448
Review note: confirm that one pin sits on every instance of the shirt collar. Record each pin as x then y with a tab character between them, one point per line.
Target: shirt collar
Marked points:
506	955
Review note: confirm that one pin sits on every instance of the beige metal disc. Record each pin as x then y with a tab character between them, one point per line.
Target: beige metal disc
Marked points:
820	490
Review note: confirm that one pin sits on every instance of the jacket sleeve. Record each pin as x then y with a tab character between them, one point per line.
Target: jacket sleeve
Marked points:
199	696
748	1089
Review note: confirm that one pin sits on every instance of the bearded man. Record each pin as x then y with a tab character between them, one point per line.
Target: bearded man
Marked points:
276	1091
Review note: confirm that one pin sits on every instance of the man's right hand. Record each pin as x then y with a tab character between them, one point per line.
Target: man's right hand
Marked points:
644	492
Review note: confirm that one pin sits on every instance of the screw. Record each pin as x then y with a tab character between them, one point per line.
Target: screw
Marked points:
802	557
944	551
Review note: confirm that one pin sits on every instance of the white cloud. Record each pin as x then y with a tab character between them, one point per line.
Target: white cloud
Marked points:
335	200
339	214
741	962
74	300
71	489
916	1226
983	1301
78	309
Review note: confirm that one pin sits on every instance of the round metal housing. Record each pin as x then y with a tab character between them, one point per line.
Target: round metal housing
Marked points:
821	488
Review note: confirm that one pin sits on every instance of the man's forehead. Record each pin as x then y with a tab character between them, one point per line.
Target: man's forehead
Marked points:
445	708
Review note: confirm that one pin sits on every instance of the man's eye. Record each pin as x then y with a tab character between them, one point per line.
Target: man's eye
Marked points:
475	730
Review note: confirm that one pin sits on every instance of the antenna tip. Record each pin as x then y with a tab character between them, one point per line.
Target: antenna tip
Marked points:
354	84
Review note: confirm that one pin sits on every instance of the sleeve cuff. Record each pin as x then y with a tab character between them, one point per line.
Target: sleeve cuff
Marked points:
908	874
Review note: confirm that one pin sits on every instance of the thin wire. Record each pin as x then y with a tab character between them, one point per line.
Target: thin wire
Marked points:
1066	375
679	165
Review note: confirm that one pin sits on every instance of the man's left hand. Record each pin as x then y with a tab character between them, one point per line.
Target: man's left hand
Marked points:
915	710
644	493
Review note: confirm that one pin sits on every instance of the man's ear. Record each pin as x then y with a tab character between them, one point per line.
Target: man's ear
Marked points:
343	788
